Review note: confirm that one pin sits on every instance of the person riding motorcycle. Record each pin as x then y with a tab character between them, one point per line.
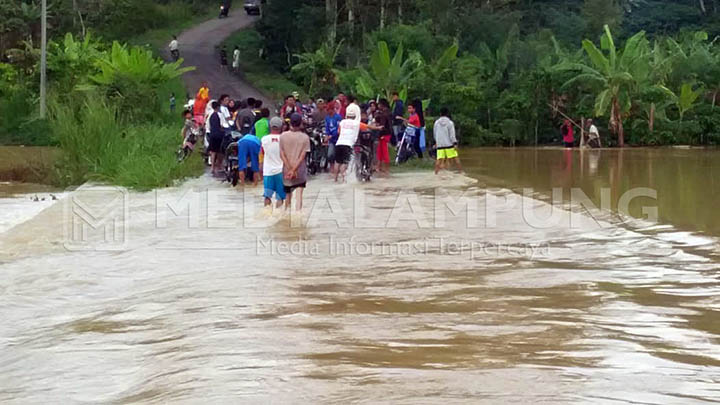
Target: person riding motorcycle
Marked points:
174	51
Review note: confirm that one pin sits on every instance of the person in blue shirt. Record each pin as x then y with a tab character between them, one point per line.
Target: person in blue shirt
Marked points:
249	149
332	124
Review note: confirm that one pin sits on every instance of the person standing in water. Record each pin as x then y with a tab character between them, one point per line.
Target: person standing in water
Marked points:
217	133
593	135
445	141
273	164
294	145
567	133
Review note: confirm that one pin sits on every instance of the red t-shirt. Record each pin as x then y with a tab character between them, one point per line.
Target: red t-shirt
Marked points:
343	108
414	120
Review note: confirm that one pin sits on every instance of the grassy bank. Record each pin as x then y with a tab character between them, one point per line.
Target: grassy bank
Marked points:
99	145
256	70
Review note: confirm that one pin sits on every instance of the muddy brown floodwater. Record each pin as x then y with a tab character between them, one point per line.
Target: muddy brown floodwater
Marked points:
391	292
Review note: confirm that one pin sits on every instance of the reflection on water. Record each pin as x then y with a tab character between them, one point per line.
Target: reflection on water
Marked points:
687	181
603	313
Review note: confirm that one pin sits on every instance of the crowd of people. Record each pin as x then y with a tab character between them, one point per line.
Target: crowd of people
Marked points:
276	147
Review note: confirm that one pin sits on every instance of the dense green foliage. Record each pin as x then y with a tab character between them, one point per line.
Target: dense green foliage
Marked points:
108	108
647	70
102	20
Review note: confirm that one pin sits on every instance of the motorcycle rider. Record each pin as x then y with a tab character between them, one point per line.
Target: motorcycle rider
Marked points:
174	51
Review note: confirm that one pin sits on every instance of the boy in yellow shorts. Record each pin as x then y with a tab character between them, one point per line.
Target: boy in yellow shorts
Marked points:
445	141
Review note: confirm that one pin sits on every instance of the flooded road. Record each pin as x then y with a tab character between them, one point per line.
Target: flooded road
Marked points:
414	289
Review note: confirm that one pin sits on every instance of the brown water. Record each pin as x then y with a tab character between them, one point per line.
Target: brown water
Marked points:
31	164
373	296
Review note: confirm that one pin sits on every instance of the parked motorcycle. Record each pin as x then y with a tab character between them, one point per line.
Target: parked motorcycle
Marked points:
405	149
188	144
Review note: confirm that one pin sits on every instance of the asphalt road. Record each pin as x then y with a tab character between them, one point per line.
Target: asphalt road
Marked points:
199	46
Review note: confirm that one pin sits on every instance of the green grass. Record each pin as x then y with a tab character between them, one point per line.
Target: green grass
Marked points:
411	165
256	70
98	145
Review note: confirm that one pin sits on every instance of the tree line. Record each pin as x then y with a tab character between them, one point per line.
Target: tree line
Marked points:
507	69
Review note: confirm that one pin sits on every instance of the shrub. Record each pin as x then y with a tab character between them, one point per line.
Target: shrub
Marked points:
99	144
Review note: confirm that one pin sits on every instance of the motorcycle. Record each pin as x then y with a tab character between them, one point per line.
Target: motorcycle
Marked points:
364	148
232	165
224	9
317	159
405	149
188	144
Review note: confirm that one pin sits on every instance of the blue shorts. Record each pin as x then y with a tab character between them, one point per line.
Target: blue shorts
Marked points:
274	185
251	149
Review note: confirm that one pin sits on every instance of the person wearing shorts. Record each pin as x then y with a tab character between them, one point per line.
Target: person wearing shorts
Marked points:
349	130
273	164
249	148
445	141
294	145
215	139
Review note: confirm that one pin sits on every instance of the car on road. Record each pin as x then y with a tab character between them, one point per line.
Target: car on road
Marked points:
252	7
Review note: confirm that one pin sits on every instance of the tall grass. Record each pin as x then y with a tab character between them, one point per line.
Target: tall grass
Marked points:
100	145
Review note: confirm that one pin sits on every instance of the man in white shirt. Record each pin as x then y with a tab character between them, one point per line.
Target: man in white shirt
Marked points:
236	59
273	164
593	135
225	115
348	131
174	51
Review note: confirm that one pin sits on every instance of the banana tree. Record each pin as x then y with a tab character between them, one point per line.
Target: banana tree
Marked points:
318	68
611	71
387	75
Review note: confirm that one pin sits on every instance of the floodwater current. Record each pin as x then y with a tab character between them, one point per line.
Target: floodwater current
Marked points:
407	290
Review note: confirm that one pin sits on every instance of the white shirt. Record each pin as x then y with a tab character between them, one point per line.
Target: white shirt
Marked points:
593	131
348	132
236	55
174	45
272	163
225	116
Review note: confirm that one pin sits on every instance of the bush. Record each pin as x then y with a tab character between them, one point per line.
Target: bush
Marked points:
99	144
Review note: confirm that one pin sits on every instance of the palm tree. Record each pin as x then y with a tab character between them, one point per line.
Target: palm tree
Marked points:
612	72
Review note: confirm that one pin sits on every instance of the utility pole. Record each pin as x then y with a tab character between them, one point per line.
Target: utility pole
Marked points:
43	61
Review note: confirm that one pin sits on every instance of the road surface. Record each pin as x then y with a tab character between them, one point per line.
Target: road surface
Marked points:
199	47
